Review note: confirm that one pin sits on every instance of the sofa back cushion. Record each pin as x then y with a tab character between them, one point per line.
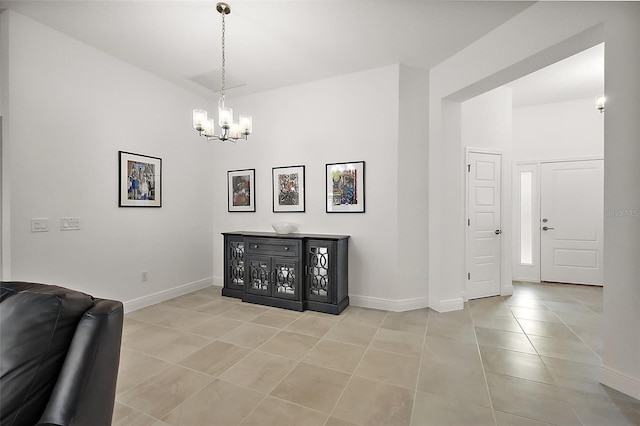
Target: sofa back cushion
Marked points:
37	324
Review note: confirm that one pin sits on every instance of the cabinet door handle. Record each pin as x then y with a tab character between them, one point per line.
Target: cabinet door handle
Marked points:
286	248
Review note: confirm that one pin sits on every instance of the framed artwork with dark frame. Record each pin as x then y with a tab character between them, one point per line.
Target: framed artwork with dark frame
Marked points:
345	187
241	190
140	182
288	189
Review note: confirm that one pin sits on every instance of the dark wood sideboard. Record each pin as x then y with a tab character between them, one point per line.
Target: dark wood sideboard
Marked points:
292	271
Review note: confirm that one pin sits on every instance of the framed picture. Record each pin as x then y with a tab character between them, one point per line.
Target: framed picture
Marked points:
345	187
140	180
242	190
288	189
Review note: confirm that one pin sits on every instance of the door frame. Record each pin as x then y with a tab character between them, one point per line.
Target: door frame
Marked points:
506	286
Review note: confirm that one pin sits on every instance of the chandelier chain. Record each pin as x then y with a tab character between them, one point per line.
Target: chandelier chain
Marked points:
223	58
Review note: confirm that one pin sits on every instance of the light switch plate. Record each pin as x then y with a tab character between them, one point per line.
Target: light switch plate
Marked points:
69	223
40	224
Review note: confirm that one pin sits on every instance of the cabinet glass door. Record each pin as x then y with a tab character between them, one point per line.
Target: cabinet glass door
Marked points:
236	263
259	276
318	273
285	280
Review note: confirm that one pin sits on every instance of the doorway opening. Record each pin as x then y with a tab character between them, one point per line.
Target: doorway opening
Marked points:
553	119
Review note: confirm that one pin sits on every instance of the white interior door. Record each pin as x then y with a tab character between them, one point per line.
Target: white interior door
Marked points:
483	223
571	212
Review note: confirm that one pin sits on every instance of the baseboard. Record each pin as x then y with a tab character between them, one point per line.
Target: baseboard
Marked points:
620	382
525	279
218	281
388	304
446	305
161	296
506	290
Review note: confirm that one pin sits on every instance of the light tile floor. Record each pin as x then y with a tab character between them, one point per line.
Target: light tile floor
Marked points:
529	359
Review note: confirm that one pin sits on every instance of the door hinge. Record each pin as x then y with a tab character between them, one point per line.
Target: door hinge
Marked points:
468	167
468	222
468	275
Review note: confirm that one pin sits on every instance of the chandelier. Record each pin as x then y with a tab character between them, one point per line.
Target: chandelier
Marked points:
228	129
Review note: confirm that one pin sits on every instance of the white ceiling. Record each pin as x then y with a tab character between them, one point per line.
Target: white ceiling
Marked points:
272	44
577	77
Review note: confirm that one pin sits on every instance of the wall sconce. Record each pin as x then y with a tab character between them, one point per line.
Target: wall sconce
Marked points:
600	100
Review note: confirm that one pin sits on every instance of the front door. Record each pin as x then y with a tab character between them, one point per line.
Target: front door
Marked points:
571	214
483	224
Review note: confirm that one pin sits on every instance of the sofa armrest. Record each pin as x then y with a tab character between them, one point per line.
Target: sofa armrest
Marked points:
85	390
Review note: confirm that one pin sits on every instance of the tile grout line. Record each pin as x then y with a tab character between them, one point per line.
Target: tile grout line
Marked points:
424	342
214	378
569	327
540	356
354	372
484	373
137	411
545	364
297	362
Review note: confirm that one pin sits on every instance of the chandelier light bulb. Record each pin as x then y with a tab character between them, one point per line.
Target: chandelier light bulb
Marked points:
225	117
199	119
246	124
234	132
209	128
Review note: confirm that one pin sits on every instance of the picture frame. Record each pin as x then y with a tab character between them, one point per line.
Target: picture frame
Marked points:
345	187
288	189
140	180
241	190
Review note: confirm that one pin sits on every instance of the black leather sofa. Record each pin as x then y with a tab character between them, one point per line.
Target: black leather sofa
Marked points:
59	355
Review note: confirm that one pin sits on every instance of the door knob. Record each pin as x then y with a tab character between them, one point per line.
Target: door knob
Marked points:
546	228
498	231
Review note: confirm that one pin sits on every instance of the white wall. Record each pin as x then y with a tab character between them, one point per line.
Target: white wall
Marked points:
348	118
486	120
71	108
4	63
515	49
487	124
4	193
412	199
621	368
558	131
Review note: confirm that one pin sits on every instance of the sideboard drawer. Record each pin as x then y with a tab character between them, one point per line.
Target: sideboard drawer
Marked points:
273	247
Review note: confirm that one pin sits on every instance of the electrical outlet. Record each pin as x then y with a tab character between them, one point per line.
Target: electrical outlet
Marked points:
69	223
144	276
39	224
